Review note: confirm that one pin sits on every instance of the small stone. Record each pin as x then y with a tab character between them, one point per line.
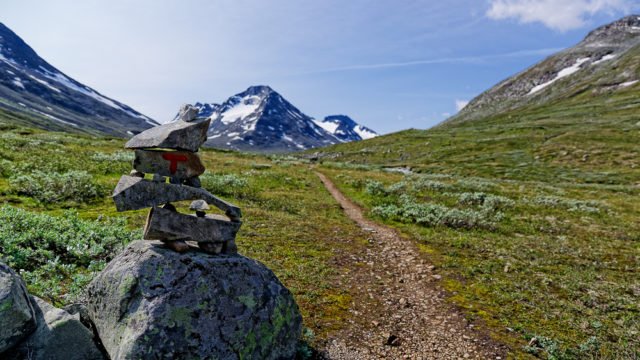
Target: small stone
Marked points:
436	276
177	246
187	113
375	323
199	205
194	181
136	173
392	340
211	248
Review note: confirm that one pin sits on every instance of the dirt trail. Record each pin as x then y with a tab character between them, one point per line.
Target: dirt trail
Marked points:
399	311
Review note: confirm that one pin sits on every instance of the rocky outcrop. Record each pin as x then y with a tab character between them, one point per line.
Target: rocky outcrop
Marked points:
17	318
58	336
151	302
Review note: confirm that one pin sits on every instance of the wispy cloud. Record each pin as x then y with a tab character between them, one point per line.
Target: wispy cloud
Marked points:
560	15
445	60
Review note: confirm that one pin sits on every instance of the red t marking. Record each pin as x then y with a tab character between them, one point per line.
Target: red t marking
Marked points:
174	159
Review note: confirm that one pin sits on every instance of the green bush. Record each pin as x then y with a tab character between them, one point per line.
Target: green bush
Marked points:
374	187
226	184
569	204
408	210
76	186
119	156
58	256
488	202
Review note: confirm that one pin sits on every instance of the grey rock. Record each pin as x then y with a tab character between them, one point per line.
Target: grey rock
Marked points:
159	178
187	113
163	224
151	302
177	165
178	135
199	205
59	336
17	317
133	193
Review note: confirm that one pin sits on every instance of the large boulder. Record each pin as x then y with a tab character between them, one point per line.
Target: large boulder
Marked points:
58	336
151	302
17	318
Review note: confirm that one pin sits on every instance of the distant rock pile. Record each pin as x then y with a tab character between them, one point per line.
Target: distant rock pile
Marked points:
170	151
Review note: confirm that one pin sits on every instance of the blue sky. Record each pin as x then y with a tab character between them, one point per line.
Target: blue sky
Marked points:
389	64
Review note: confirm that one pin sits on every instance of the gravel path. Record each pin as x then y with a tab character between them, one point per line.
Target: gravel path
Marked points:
398	310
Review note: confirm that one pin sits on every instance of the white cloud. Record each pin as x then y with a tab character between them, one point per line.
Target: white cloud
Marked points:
561	15
460	104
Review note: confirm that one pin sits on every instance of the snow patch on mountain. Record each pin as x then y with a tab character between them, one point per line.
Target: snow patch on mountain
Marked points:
562	73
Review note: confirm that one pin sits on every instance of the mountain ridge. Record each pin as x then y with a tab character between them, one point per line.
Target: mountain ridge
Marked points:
259	119
29	84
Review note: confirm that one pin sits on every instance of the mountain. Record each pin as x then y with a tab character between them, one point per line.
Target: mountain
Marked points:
345	129
573	117
53	100
261	120
600	64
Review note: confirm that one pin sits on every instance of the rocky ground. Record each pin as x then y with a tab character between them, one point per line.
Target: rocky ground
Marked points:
399	310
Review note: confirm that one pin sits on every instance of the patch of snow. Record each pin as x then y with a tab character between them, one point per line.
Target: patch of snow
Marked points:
628	83
233	134
329	126
287	138
561	74
243	109
17	82
11	72
54	118
130	132
45	83
364	133
271	128
299	146
603	59
214	136
21	104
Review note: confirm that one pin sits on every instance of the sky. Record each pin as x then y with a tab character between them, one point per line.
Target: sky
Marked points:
388	64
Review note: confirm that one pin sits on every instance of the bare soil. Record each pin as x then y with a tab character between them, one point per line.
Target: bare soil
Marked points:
398	309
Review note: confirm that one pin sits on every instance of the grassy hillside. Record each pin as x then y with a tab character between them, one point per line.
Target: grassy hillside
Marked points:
532	214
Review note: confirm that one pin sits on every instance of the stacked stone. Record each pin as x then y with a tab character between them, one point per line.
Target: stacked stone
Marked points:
169	152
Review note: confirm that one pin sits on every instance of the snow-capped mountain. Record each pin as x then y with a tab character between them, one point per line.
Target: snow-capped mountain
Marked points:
28	84
261	120
603	63
345	129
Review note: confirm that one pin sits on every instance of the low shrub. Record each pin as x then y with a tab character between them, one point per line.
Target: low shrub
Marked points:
58	256
76	186
226	184
124	156
569	204
488	202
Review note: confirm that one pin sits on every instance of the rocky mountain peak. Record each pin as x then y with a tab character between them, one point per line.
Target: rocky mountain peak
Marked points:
611	34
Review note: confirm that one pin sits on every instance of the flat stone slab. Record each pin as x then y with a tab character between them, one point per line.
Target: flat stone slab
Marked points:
134	193
164	224
178	135
175	164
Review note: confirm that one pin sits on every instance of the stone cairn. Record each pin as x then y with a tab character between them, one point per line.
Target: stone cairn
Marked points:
170	151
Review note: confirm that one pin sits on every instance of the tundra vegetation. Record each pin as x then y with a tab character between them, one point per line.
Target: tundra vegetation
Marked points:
531	240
